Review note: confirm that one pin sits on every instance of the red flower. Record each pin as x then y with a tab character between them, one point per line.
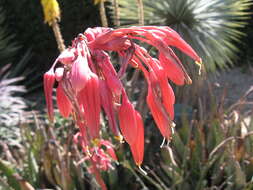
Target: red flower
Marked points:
127	120
49	79
108	106
90	101
89	81
63	103
137	148
80	73
160	114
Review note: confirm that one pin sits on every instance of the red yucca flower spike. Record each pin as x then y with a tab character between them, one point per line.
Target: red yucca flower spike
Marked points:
87	81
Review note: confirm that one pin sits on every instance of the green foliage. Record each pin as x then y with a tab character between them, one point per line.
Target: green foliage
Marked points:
212	28
8	172
212	149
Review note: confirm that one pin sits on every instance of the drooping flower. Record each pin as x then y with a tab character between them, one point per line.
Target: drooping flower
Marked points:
49	79
90	101
63	103
89	81
137	148
127	120
157	108
106	99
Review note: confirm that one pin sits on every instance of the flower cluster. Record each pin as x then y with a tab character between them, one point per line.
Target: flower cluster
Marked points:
88	81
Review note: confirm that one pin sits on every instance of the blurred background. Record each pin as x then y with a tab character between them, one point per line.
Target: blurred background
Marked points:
212	145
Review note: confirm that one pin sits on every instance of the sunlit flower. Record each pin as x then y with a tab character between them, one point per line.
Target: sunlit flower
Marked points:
87	82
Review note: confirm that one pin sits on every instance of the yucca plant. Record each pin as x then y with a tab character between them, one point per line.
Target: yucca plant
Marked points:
212	28
12	63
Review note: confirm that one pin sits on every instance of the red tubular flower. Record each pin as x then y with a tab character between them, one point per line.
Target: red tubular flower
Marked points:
109	149
67	56
172	69
93	33
160	114
127	120
125	57
88	80
49	79
165	91
63	102
107	104
118	44
137	148
160	37
175	40
108	73
90	100
109	40
80	73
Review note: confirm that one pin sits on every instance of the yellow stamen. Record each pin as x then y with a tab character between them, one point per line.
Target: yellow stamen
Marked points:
199	63
95	142
119	138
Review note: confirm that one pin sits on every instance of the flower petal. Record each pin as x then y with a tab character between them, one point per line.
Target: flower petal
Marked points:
63	102
173	71
80	73
127	120
49	79
137	148
107	104
90	100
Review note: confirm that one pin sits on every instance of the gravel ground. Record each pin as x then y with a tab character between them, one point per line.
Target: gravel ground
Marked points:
235	83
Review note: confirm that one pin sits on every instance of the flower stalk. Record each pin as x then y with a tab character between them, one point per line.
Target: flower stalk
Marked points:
58	36
52	16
